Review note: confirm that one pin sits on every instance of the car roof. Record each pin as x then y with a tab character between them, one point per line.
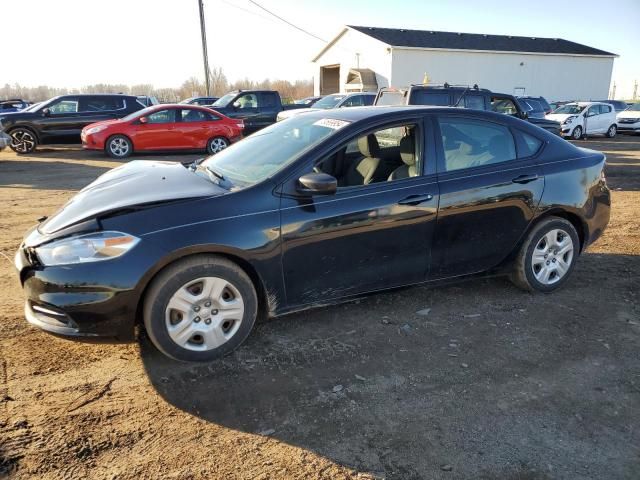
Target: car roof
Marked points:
355	114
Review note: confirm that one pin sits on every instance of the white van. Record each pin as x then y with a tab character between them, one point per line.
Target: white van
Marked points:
590	118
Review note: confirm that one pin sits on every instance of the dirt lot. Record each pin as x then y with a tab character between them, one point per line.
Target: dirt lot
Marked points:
475	380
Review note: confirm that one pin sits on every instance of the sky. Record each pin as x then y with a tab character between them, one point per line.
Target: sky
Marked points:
71	43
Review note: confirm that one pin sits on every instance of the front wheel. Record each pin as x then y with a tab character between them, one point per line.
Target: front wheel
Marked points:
118	146
547	256
217	144
200	308
577	133
23	141
612	131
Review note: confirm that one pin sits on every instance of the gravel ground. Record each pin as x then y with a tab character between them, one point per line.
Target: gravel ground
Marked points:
473	380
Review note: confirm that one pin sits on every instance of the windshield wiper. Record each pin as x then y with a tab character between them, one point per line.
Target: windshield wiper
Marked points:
216	174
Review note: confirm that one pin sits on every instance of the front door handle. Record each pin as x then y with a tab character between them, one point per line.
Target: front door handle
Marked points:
415	199
525	178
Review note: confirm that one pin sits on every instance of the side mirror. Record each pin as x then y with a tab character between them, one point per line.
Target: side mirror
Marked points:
143	120
318	184
525	115
46	112
236	105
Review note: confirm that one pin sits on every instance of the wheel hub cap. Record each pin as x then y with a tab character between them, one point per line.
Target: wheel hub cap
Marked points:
119	147
552	257
22	141
204	314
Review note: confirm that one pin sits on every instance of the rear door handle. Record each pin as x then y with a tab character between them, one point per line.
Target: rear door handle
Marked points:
415	199
525	178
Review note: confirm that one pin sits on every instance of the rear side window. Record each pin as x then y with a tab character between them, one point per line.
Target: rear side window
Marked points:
101	104
528	145
425	97
193	115
269	100
471	143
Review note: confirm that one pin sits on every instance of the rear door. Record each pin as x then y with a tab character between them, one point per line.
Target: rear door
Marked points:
195	128
490	188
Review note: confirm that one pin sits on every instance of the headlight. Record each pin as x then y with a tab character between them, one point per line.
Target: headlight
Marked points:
92	247
570	119
97	129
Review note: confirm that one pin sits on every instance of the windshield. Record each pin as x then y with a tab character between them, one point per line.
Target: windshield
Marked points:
571	108
139	113
264	153
634	108
224	100
330	101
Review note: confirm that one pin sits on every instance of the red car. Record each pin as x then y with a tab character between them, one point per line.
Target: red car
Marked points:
163	127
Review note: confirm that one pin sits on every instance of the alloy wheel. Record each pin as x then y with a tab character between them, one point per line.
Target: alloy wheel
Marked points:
552	257
577	133
119	147
22	141
612	131
204	313
217	144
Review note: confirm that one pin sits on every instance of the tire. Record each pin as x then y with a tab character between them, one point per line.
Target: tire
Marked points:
23	141
216	145
612	131
577	133
536	268
118	146
200	308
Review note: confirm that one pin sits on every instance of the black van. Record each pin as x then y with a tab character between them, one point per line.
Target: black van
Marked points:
461	96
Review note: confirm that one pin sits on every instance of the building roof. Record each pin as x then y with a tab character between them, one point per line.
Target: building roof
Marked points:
474	41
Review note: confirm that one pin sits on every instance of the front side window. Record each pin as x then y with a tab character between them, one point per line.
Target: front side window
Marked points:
193	115
504	106
248	100
382	155
64	106
593	111
355	101
330	101
605	108
471	143
162	116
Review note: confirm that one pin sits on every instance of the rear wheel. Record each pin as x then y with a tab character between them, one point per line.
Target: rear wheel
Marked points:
613	130
577	133
23	140
118	146
547	256
200	308
217	144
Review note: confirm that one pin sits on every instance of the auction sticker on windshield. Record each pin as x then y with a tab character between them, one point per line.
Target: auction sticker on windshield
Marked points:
331	123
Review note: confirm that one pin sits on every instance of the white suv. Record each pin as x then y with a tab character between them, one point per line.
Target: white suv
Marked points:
629	119
586	118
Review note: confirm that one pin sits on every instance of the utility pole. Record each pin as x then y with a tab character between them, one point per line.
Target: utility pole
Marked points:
635	90
205	56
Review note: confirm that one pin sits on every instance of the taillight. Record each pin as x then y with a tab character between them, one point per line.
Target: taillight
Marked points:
240	124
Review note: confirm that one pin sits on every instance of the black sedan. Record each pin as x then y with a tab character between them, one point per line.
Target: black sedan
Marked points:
311	211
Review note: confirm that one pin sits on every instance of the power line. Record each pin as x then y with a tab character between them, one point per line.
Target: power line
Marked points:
288	22
248	11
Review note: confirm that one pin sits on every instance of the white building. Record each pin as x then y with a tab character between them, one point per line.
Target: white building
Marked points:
367	58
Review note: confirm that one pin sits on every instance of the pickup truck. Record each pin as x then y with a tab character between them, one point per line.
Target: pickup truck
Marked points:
258	108
464	97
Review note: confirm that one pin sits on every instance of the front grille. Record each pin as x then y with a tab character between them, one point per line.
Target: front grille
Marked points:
629	120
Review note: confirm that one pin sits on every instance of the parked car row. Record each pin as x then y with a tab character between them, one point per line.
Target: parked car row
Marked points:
13	105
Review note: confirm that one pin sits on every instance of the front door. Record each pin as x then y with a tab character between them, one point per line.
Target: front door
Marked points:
246	107
592	120
375	231
160	132
490	187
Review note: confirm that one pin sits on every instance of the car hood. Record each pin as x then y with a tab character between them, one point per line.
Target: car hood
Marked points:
102	123
629	114
560	117
134	184
296	111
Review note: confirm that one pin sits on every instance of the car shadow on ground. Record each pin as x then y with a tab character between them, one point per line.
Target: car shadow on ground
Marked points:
478	377
48	175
